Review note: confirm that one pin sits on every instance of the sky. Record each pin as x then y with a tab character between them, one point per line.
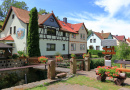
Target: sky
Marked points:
107	15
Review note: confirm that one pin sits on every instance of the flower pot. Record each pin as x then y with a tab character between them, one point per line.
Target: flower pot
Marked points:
44	61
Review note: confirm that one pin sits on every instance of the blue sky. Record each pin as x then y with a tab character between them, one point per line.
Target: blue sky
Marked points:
107	15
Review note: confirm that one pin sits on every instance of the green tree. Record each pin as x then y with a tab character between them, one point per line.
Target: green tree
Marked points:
33	35
89	33
41	11
122	51
1	14
8	3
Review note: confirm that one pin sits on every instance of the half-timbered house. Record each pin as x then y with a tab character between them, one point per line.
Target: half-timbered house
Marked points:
53	38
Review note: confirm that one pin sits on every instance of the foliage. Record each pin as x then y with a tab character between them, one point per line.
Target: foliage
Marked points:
42	59
15	56
96	62
59	57
21	53
94	56
33	35
41	11
1	14
109	71
122	51
5	81
85	55
6	4
73	55
57	54
89	33
96	52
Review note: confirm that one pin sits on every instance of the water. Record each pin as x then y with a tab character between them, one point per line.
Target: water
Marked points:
21	76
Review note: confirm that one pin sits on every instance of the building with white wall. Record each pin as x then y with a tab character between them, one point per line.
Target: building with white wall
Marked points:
52	38
94	40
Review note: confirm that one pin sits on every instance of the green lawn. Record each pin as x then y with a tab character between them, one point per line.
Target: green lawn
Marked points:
90	82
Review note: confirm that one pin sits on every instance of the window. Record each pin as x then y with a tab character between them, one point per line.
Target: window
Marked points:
14	29
80	46
13	16
50	47
63	46
90	40
10	30
64	34
81	36
51	31
40	31
97	47
82	27
84	36
73	47
83	47
73	35
94	40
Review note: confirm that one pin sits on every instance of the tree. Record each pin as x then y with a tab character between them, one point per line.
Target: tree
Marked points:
41	11
8	3
89	33
33	35
1	14
122	51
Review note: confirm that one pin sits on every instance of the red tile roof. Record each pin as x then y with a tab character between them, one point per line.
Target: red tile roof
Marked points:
120	38
128	40
74	28
8	38
23	15
102	36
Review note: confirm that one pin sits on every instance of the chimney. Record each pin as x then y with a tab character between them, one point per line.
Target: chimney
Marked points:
102	32
65	19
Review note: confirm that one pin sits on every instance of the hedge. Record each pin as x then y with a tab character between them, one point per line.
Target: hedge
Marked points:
96	52
96	62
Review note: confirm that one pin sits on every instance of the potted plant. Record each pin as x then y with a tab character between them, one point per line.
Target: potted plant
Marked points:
73	55
59	58
15	56
42	59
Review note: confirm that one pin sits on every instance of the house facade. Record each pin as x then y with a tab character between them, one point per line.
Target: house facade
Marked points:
128	41
78	37
52	38
94	40
119	38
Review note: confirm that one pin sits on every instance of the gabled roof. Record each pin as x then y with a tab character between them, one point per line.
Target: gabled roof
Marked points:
74	28
102	35
8	38
23	15
120	38
128	40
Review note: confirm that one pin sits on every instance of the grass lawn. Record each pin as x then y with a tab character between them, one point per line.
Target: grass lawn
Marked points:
90	82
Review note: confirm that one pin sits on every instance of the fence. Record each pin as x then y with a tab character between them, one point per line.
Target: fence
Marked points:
10	63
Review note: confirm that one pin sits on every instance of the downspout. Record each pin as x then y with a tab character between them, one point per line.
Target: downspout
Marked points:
68	43
26	38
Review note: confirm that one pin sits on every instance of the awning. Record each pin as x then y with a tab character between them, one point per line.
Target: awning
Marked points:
2	45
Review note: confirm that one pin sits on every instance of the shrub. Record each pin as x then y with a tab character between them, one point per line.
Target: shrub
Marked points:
73	55
14	56
96	62
57	54
96	52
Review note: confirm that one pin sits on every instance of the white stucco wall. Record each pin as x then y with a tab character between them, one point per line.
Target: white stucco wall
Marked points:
19	44
58	45
98	41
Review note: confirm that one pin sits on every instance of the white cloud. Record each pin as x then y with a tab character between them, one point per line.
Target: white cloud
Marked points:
113	6
108	23
100	22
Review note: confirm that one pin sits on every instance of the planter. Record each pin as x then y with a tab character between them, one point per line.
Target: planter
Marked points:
101	78
44	61
58	60
22	57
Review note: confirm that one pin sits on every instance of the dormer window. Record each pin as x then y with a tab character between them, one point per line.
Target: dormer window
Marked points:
13	16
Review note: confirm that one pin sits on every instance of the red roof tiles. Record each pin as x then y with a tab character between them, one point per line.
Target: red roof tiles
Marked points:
120	38
102	36
8	38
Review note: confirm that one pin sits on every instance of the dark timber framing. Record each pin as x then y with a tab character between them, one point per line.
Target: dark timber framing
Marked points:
58	35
